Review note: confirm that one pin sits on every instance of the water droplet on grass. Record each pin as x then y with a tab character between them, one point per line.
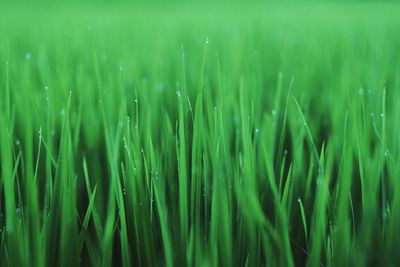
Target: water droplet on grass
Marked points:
28	56
160	86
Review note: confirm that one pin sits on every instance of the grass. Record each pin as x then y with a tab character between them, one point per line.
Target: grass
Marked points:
204	135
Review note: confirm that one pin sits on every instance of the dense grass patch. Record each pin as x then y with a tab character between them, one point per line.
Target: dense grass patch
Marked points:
258	135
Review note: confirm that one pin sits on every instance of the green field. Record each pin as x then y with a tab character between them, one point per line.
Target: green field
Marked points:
200	135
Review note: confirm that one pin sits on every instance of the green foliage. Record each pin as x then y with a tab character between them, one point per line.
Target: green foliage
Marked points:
248	135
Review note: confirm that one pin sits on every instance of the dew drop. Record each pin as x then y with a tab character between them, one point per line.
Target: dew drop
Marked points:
28	56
